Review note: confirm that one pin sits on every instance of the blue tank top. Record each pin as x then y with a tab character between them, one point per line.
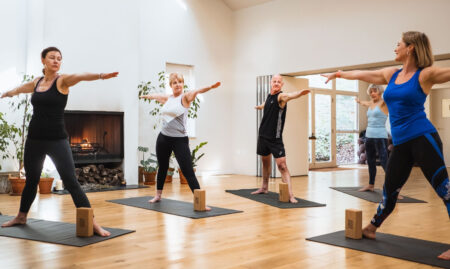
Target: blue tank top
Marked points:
376	123
406	109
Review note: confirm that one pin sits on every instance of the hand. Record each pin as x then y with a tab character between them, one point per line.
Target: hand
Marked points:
305	92
329	76
217	84
109	75
5	94
357	101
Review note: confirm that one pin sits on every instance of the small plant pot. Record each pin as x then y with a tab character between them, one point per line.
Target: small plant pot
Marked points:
140	175
17	185
45	185
183	179
169	177
149	178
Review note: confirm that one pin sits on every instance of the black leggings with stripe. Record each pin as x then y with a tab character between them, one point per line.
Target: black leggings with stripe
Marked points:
180	146
426	151
61	154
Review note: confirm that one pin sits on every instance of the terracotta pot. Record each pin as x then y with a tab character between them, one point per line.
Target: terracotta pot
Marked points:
17	185
141	175
169	177
45	185
183	179
149	178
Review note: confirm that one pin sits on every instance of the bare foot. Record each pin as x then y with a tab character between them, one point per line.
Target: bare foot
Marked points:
367	188
207	208
15	221
445	255
260	190
369	231
100	231
155	199
293	200
400	197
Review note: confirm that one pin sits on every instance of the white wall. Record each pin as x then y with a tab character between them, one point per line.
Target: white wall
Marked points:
197	33
285	36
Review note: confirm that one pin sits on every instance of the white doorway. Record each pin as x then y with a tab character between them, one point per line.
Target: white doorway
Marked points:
439	108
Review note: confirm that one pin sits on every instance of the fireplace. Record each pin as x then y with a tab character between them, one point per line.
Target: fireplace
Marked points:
96	137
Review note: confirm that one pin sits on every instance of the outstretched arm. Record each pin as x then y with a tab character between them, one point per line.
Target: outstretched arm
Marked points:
189	97
363	103
381	76
261	106
71	80
24	88
434	75
283	98
162	98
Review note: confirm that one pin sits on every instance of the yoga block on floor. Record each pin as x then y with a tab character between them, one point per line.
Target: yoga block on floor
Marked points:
85	222
284	192
199	200
353	223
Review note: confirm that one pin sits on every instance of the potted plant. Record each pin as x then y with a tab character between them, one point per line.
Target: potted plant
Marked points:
17	136
171	169
194	159
45	183
150	167
140	167
6	131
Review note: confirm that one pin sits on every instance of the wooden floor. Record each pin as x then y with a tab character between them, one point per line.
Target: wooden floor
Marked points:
260	237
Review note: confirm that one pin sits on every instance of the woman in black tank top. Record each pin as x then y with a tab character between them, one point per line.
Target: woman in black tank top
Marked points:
47	134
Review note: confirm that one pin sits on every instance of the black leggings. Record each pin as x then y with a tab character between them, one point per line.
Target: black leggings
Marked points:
60	153
374	145
180	146
426	151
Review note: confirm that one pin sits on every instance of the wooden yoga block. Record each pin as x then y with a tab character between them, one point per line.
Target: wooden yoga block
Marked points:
85	222
284	192
199	200
353	223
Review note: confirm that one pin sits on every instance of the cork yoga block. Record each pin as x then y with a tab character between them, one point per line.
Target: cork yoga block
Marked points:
284	192
85	222
199	200
353	223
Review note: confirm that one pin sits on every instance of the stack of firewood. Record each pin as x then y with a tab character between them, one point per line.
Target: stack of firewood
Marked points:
98	174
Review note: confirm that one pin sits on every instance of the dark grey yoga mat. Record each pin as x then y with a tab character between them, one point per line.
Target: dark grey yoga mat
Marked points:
174	207
54	232
400	247
113	188
271	198
373	196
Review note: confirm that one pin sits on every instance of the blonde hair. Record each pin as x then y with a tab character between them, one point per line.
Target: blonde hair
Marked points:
175	76
379	88
422	47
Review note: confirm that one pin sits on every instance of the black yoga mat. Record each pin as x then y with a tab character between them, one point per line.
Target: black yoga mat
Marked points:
400	247
113	188
54	232
272	199
373	196
174	207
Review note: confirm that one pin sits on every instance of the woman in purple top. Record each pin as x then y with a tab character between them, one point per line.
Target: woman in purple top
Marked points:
415	138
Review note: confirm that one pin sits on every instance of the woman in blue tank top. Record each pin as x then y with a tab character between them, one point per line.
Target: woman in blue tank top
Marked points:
376	134
415	138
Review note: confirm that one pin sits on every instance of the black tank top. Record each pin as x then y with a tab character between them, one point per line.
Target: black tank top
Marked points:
47	122
272	123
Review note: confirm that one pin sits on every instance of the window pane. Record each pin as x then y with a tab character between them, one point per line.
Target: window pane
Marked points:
317	81
346	147
323	127
347	85
346	113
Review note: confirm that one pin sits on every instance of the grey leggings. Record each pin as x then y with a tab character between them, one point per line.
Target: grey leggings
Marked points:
60	153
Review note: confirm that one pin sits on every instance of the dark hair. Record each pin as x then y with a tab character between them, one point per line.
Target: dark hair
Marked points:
46	51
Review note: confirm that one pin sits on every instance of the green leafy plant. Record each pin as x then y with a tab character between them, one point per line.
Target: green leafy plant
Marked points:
147	87
143	150
14	133
195	158
151	164
7	132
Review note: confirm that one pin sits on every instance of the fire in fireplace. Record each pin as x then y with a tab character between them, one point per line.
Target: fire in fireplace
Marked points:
96	137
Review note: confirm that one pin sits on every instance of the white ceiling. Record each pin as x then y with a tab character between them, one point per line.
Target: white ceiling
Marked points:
241	4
